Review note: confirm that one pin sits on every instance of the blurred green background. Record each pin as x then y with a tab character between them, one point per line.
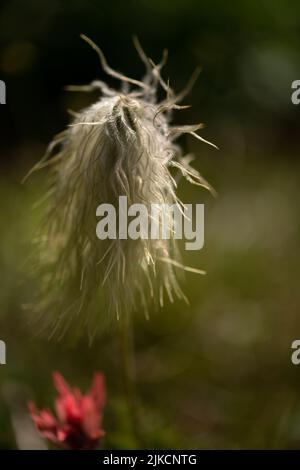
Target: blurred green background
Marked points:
218	373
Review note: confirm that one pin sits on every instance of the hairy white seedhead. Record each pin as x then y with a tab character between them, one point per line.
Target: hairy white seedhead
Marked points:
123	145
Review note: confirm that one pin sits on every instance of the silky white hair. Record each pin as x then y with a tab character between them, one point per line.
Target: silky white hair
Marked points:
123	145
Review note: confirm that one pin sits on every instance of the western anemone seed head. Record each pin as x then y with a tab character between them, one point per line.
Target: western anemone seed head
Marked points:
123	145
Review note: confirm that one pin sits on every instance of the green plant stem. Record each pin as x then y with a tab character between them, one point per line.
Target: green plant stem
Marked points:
126	345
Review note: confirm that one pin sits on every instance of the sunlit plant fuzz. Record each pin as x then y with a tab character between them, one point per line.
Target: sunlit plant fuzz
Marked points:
122	145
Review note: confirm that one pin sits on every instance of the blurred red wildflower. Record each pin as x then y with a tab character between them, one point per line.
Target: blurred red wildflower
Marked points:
78	424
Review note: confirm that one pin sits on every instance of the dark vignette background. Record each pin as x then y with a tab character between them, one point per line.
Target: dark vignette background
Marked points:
216	374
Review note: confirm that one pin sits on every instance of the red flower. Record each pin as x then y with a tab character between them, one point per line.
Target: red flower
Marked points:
79	417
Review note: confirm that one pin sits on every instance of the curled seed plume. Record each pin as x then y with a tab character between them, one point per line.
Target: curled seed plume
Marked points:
122	145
